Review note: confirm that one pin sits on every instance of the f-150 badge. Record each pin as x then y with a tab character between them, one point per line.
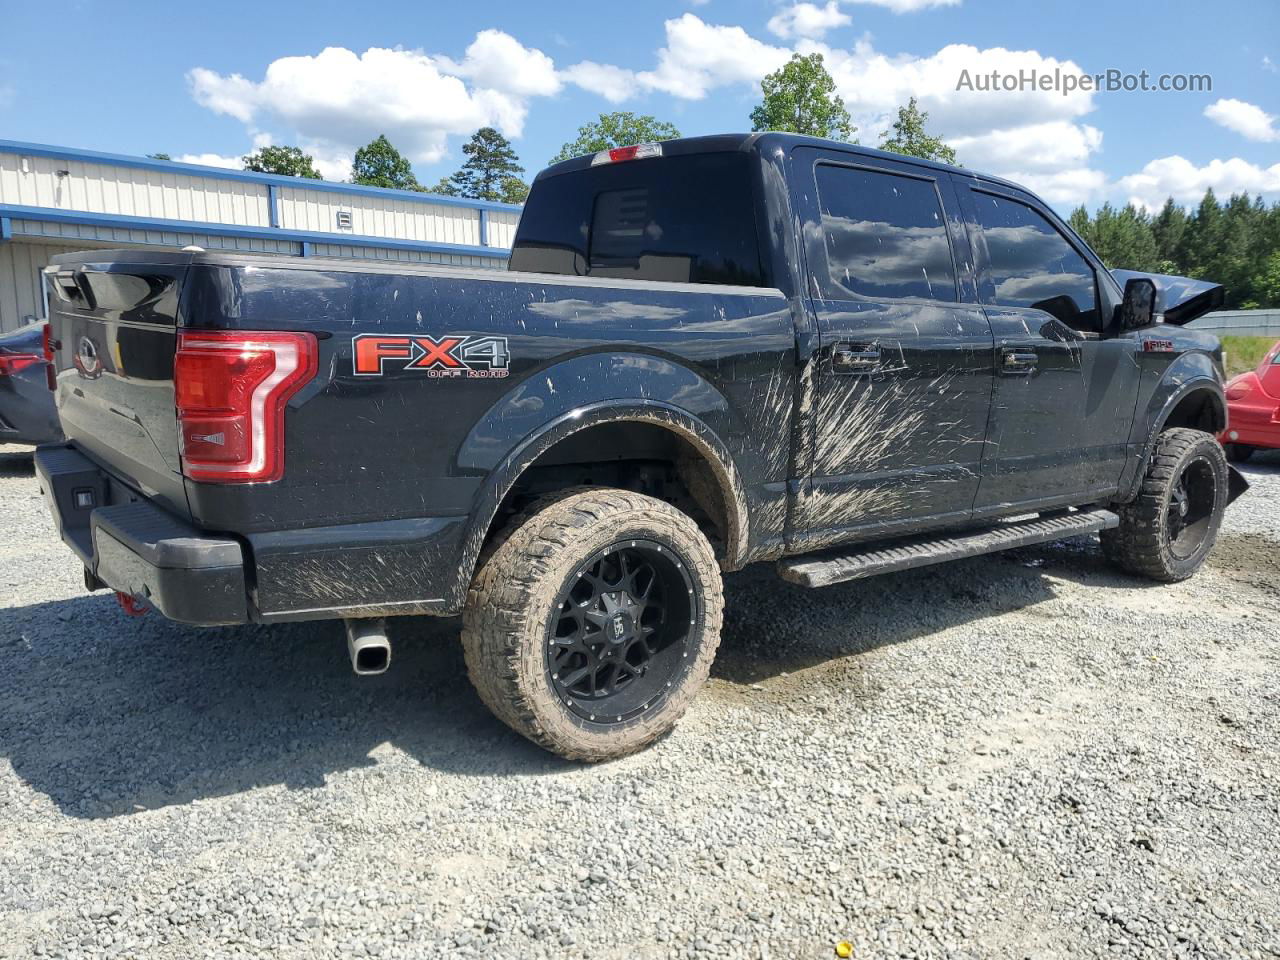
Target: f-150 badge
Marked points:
374	354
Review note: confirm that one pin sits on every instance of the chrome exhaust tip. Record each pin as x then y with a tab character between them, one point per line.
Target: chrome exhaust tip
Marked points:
368	646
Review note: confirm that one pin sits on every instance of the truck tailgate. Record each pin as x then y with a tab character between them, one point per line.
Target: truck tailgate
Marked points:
114	317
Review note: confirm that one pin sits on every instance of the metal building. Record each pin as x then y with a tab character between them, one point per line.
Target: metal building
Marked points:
57	199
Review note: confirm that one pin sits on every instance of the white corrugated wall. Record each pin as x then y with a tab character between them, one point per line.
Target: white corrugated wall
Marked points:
502	227
65	184
21	294
393	217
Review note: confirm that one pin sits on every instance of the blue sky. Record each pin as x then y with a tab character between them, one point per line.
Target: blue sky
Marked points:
209	81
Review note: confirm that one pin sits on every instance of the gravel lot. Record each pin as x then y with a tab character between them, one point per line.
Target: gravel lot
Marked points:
1023	755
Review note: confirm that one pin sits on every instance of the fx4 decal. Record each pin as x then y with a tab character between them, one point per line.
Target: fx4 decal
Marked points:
439	357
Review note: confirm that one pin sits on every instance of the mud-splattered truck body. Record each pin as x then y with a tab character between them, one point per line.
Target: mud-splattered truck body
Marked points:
706	353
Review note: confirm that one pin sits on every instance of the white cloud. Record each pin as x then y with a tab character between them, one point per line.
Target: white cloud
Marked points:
1032	133
212	160
1269	65
699	57
874	84
909	6
1246	119
808	20
338	100
1062	189
1181	179
498	61
1036	146
615	84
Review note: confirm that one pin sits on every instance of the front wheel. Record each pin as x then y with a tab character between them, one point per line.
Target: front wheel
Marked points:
1169	529
594	622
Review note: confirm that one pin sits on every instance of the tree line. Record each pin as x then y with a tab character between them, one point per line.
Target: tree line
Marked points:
1236	244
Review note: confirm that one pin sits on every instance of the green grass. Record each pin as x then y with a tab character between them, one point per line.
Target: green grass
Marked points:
1244	353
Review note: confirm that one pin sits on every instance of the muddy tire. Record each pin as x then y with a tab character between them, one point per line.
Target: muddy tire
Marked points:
1167	532
593	622
1238	452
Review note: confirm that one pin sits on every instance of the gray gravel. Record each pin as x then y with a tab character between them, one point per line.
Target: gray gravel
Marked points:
1024	755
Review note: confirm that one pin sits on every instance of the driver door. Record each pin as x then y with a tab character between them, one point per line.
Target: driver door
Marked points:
1065	393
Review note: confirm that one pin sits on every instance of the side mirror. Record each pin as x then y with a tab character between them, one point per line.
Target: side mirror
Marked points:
1139	307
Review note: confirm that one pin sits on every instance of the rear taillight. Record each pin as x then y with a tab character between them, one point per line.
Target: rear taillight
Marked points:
230	390
641	151
46	344
11	363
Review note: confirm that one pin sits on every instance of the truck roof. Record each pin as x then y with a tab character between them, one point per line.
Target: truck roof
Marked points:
729	142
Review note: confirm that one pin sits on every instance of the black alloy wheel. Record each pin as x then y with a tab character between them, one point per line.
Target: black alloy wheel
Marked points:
1191	507
618	638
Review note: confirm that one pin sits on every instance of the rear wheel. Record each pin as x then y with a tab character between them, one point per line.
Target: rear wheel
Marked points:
594	622
1238	452
1169	529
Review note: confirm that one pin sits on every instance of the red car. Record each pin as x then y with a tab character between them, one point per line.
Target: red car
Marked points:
1253	409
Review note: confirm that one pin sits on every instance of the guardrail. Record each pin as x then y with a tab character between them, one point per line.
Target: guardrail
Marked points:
1240	323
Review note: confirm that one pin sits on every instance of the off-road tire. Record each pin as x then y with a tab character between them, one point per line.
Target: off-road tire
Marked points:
1238	452
1141	543
505	621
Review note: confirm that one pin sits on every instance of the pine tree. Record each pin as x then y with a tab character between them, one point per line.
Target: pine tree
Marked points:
1167	228
491	171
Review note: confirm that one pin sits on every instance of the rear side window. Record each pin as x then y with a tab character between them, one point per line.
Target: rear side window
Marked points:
1031	264
686	219
885	235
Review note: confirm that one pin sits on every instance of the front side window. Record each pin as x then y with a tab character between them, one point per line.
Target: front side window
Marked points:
885	235
1031	264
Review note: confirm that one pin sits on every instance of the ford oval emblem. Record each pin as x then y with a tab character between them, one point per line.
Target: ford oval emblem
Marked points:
87	360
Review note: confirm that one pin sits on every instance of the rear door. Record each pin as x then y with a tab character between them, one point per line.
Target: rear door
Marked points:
113	323
1065	392
904	370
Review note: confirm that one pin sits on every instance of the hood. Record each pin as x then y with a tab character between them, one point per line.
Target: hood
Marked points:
1180	299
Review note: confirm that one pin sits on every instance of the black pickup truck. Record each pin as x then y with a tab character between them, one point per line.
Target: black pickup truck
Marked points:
706	353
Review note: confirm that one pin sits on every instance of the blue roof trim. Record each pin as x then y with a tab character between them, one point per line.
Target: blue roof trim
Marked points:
52	215
222	173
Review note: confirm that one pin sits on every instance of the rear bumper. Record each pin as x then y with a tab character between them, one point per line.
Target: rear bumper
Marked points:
394	567
135	547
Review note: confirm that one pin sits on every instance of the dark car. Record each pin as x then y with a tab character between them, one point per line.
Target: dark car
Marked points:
27	411
707	353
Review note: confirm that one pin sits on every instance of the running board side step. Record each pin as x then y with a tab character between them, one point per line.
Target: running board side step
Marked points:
821	570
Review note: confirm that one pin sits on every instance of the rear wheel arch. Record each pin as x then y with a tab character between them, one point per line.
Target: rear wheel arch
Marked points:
713	478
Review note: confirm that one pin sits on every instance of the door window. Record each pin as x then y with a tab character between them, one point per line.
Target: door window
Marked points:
885	235
1031	264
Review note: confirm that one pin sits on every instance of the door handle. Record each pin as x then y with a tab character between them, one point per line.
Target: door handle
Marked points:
846	359
1019	361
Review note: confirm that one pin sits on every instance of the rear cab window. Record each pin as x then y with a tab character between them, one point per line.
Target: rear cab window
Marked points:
684	218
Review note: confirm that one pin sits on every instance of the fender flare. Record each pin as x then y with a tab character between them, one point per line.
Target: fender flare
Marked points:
1156	424
668	416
